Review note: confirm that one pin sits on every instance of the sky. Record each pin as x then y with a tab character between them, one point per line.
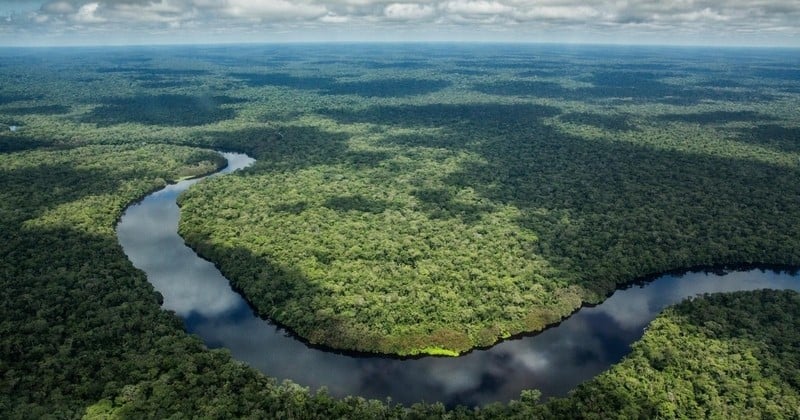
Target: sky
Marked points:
666	22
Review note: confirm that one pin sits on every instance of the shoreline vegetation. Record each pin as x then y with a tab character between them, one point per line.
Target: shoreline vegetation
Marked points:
396	221
398	205
441	352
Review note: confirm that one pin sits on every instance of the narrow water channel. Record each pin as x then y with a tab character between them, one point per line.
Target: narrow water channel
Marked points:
554	361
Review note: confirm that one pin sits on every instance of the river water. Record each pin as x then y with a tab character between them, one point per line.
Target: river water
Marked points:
554	361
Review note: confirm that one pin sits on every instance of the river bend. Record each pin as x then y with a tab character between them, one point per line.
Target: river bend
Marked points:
554	361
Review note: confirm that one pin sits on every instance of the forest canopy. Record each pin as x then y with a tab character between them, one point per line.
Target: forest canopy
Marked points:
498	203
405	201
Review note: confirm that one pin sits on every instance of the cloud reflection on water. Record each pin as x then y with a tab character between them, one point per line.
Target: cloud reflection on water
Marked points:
554	361
147	232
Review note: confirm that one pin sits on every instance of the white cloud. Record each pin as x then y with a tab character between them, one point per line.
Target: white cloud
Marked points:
273	9
632	19
88	14
165	11
408	11
558	12
705	14
333	18
477	7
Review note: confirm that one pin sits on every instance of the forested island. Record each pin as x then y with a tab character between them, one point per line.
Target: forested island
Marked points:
407	199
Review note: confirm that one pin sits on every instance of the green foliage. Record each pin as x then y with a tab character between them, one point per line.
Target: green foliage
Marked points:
404	204
455	220
178	110
720	356
78	322
82	331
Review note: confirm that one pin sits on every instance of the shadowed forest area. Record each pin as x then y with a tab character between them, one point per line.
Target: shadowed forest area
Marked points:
407	200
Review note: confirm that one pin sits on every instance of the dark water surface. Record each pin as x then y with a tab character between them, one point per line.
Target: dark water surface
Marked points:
554	361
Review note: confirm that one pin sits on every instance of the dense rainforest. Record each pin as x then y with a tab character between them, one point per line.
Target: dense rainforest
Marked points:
440	212
412	199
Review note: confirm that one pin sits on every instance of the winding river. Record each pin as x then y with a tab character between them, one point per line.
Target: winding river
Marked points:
554	361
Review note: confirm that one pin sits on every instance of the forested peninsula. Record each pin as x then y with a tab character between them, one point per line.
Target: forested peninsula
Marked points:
407	222
406	200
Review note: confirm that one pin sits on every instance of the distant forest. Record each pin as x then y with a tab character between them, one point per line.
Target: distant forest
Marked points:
407	199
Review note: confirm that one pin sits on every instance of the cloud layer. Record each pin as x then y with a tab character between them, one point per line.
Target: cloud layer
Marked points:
516	20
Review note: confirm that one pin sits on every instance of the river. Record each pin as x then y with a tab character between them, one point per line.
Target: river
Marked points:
553	361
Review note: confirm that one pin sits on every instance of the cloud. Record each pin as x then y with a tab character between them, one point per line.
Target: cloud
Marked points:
164	12
334	18
667	19
58	7
408	11
575	13
88	14
273	9
479	7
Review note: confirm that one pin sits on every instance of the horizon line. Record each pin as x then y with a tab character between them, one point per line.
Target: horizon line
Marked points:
399	42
